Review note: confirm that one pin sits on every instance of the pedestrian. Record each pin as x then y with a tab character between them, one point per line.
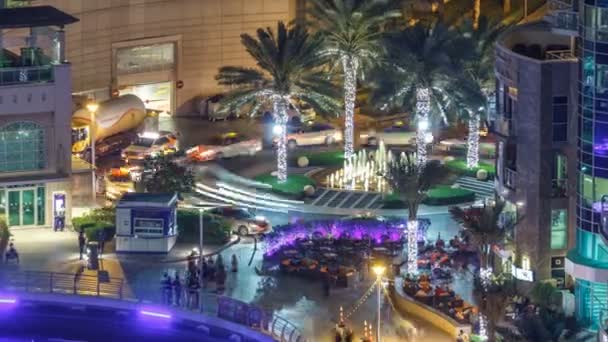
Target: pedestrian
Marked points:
220	279
234	263
101	237
165	284
211	269
460	337
81	242
177	288
205	273
193	295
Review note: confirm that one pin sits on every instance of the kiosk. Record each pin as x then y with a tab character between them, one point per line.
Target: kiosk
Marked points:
146	223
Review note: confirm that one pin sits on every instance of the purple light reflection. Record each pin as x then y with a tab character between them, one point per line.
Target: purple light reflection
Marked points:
358	229
155	314
8	301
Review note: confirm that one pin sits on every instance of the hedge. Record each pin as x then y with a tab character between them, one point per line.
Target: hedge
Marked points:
294	186
5	234
439	195
216	230
460	166
95	221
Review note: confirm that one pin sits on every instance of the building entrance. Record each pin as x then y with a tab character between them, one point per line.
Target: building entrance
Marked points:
23	206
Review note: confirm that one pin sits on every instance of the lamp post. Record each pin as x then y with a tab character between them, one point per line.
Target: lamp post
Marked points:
379	271
92	107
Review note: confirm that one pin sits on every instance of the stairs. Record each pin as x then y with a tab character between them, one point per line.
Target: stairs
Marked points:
482	189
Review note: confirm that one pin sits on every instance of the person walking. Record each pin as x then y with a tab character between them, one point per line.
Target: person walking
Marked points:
81	242
165	287
205	272
101	236
235	263
177	289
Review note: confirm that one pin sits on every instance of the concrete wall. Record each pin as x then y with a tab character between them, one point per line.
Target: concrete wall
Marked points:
208	30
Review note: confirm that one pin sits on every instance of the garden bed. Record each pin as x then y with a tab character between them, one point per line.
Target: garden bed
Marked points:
293	187
460	166
325	159
439	195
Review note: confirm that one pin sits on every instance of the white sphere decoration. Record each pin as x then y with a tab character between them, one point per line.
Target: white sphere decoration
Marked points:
455	186
482	174
303	161
448	159
309	190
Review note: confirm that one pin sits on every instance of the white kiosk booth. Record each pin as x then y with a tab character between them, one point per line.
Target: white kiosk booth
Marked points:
146	223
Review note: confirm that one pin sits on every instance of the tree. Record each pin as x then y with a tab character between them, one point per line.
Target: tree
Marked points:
162	174
352	37
492	298
481	72
423	69
411	181
289	69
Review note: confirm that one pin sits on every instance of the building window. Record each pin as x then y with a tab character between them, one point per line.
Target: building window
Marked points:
22	147
525	263
559	229
560	176
560	118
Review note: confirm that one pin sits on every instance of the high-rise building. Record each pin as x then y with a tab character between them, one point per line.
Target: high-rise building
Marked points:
167	52
587	262
35	113
536	159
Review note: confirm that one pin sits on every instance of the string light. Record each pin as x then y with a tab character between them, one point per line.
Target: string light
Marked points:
423	108
412	246
281	118
350	67
473	141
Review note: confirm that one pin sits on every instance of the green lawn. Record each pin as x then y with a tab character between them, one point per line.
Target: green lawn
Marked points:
439	195
460	166
294	186
327	158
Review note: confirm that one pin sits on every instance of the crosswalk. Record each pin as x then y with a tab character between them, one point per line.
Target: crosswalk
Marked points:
482	189
332	198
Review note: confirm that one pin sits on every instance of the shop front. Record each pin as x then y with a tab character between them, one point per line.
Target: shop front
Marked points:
32	205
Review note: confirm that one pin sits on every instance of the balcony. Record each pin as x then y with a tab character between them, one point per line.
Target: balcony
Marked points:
510	176
559	188
26	74
563	17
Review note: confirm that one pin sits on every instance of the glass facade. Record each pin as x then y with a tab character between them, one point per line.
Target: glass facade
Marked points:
559	229
23	206
591	237
22	147
145	58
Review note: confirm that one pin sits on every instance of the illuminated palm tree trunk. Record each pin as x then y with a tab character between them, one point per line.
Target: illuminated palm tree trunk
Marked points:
423	107
350	93
412	245
473	141
281	117
476	13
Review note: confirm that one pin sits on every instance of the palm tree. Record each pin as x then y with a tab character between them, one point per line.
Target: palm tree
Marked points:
492	299
481	71
352	38
289	70
423	69
411	181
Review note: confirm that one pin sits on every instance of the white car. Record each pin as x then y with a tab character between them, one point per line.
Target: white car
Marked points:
150	144
243	221
394	135
312	134
225	146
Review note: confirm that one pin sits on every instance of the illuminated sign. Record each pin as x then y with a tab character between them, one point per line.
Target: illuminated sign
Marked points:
521	274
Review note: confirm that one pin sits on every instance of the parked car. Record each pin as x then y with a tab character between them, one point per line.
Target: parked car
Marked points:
225	146
312	134
243	221
398	134
150	144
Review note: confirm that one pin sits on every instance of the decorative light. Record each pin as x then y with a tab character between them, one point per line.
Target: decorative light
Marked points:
281	117
378	270
423	108
350	68
277	129
92	106
412	246
520	203
155	314
473	142
428	138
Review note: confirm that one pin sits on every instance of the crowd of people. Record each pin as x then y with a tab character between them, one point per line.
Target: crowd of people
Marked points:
179	291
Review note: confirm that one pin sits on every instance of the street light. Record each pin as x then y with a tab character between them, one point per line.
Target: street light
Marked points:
92	107
379	271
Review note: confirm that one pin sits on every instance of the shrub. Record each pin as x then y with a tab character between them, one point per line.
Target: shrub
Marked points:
92	231
294	186
439	195
216	229
325	158
460	166
5	234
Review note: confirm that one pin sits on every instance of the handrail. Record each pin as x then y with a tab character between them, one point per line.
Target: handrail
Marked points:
86	285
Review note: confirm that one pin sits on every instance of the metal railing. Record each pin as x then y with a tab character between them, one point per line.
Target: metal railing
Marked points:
274	325
32	74
560	54
562	15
